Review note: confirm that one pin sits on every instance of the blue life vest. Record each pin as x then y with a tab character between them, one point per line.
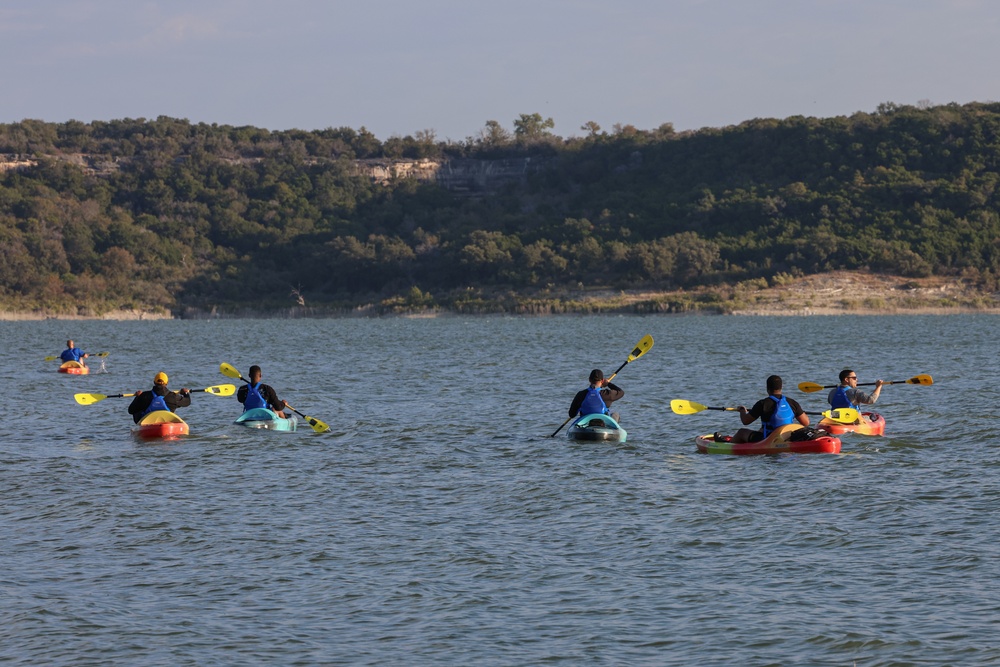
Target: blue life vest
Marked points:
71	354
840	399
593	404
156	404
782	415
253	398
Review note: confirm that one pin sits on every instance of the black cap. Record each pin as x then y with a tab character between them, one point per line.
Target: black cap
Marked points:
596	375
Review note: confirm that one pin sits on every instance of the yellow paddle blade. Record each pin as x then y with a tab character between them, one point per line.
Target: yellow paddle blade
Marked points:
316	424
921	379
221	390
682	407
641	348
809	387
230	371
90	399
843	415
52	357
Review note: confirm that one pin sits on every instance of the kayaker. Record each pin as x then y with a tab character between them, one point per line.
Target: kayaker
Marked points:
158	398
258	395
847	395
597	398
774	411
73	353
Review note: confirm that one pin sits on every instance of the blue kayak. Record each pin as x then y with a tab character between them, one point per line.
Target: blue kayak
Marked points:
267	419
597	427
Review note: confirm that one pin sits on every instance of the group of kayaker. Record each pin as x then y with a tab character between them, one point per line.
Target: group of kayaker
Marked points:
773	411
776	410
254	394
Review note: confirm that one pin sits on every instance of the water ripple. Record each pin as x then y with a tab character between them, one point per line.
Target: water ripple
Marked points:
437	523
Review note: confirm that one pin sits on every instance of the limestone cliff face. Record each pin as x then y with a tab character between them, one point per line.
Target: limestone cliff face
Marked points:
101	165
467	176
460	175
10	162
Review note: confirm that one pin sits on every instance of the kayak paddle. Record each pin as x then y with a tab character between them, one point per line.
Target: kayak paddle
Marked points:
810	387
317	425
230	371
641	348
218	390
56	356
842	415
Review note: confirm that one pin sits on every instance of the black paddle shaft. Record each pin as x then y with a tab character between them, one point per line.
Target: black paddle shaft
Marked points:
611	377
871	384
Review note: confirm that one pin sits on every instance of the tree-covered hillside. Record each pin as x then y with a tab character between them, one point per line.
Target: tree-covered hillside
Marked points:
169	214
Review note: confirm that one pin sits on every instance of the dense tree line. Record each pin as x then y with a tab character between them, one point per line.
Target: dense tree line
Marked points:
167	214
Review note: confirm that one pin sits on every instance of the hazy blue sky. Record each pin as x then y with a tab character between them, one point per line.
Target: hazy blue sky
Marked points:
399	66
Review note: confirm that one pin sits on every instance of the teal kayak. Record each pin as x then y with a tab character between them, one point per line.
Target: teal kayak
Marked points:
597	427
267	419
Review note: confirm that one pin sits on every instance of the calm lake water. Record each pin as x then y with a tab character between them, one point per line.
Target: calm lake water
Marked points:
436	523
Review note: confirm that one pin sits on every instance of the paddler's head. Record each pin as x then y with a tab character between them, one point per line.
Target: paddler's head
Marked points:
255	374
596	377
160	379
774	384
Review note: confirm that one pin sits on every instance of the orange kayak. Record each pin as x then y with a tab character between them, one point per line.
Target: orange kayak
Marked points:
777	442
160	424
871	423
74	368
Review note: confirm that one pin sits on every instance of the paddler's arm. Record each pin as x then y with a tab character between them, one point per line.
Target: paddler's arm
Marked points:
799	413
611	393
178	399
272	399
574	407
859	397
753	414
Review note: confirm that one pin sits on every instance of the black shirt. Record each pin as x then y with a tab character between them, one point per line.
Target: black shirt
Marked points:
273	402
141	402
609	394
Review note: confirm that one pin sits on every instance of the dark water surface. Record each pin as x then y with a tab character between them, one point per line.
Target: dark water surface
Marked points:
437	523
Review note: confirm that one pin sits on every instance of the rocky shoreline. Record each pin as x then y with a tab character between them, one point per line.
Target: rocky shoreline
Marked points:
37	315
837	293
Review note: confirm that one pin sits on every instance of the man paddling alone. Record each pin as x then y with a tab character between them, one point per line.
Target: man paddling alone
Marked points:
259	395
73	353
773	411
597	398
158	398
847	395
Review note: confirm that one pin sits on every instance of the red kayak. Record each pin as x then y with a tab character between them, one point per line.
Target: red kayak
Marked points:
160	424
871	423
74	368
777	442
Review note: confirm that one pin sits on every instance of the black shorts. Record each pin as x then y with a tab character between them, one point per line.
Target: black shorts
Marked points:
755	436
